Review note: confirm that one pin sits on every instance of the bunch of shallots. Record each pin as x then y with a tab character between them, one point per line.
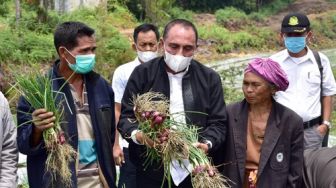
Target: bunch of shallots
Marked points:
152	113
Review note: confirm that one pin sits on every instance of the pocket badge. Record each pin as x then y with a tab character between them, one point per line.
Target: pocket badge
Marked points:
279	157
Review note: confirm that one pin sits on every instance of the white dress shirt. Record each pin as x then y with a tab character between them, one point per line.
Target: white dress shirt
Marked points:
119	82
120	78
303	93
176	109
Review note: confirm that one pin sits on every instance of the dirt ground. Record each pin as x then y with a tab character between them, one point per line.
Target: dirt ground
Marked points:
312	8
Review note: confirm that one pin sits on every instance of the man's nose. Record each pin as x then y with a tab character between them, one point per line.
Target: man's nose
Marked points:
147	48
180	52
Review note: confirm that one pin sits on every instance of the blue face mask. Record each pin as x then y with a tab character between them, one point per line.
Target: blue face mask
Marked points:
84	63
295	44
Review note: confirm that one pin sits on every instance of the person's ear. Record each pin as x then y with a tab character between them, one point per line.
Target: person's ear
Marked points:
273	89
161	45
134	47
282	39
310	37
61	52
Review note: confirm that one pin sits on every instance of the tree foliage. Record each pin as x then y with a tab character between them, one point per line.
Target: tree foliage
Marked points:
154	11
212	5
3	7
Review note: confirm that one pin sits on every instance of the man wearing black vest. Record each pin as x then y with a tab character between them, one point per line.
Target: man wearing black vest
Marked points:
189	85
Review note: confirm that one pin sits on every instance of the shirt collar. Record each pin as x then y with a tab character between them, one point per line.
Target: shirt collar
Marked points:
309	55
137	60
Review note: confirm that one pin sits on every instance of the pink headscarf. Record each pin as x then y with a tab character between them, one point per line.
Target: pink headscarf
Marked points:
270	71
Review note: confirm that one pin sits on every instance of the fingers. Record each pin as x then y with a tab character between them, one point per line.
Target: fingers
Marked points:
122	158
210	171
201	146
163	136
149	142
41	117
44	126
196	144
162	139
117	161
118	155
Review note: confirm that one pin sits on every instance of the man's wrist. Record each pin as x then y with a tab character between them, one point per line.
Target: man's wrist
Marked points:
135	138
208	143
327	123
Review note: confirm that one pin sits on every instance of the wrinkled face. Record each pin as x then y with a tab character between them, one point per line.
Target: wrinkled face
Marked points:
180	40
256	89
85	45
147	41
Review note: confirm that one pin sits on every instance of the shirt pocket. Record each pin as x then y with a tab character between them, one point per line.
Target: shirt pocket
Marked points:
279	158
312	82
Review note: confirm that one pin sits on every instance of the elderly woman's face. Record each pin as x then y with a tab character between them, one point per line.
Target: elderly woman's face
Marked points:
256	89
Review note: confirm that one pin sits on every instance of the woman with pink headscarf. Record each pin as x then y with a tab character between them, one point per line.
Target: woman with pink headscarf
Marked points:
264	146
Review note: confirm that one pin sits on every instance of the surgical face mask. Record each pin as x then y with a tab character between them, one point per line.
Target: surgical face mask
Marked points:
84	63
295	44
146	56
177	63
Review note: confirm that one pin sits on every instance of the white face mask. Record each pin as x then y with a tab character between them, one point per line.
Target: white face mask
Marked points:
146	56
177	63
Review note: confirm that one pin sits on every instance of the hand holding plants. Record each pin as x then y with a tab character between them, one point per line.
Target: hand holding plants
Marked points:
43	119
202	146
118	155
168	140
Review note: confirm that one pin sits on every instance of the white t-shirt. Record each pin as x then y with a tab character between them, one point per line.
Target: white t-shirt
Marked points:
119	82
303	93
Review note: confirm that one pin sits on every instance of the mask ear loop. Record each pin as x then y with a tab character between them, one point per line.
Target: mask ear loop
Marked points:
70	54
68	60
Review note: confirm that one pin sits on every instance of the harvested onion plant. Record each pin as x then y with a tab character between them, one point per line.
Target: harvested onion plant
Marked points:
200	177
37	90
152	112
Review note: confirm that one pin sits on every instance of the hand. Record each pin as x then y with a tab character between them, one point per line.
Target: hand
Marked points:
42	119
143	139
163	136
118	155
211	171
201	168
322	129
202	146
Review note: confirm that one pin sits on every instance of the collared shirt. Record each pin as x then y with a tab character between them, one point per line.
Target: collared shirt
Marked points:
120	78
119	82
303	93
176	107
87	170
